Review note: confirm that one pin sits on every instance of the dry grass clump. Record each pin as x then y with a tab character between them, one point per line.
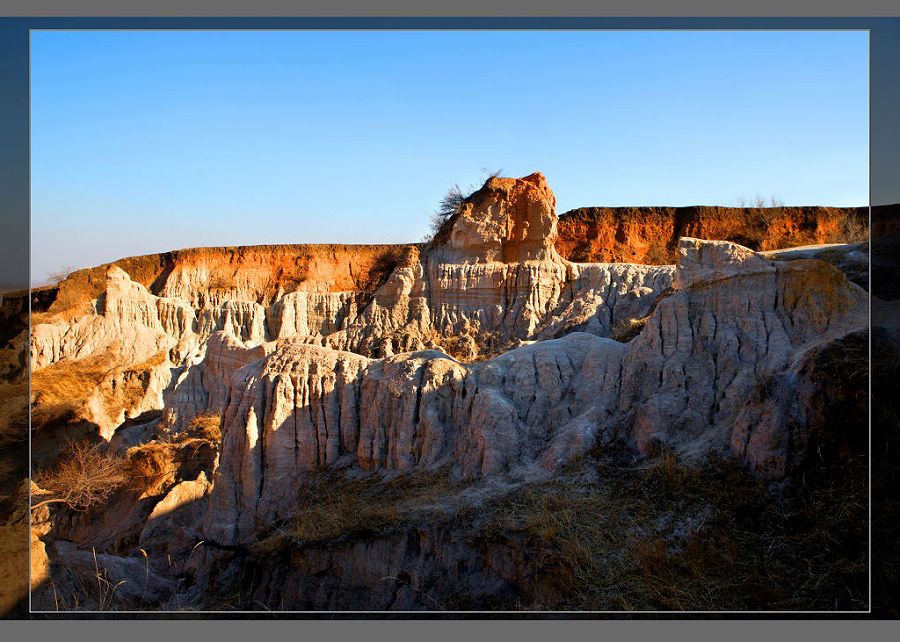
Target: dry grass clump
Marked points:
851	229
59	390
152	467
665	535
627	329
155	466
207	425
330	505
470	344
132	385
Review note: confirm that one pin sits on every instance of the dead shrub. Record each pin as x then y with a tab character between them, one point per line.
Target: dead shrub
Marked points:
383	266
451	205
853	230
84	477
58	276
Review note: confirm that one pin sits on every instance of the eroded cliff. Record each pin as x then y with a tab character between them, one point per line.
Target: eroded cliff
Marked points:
485	360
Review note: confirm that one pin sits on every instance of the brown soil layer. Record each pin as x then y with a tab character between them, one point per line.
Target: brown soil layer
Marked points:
650	234
313	267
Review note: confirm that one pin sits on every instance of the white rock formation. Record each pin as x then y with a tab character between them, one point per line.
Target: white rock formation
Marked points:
682	384
499	282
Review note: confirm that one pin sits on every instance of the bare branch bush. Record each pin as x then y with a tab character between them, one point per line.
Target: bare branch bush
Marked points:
453	201
58	276
759	202
84	477
853	230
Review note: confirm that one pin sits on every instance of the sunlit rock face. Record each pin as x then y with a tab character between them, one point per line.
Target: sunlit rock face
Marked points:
724	318
498	284
484	356
509	220
734	319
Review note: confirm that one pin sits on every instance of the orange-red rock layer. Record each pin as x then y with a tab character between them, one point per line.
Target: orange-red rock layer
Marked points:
650	234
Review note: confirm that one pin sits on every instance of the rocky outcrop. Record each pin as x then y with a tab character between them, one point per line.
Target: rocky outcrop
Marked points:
734	316
304	408
125	319
497	283
127	393
412	569
89	581
423	306
171	531
734	319
509	220
690	373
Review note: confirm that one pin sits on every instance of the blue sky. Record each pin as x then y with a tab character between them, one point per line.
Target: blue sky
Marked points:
146	141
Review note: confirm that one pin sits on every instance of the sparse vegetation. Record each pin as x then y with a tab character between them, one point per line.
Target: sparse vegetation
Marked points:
84	477
155	466
152	467
59	390
58	276
853	230
627	329
673	536
330	505
664	534
470	344
207	426
451	204
759	201
384	265
442	218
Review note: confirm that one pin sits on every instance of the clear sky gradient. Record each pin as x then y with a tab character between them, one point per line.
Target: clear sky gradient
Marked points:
144	142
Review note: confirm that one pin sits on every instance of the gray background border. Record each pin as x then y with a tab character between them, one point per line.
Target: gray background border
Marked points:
885	98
